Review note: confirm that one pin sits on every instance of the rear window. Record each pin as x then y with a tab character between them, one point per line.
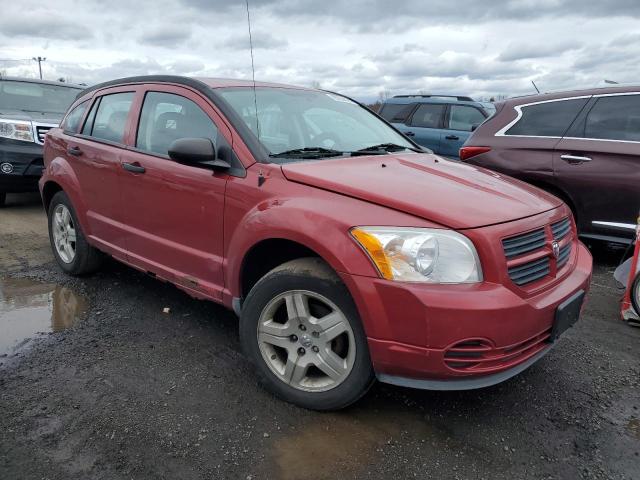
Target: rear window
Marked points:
615	118
395	112
550	119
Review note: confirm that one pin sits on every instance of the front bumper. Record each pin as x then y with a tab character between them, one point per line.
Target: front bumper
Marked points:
25	159
412	328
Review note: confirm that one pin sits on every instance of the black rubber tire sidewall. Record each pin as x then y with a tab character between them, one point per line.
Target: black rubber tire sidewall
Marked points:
634	288
86	258
278	281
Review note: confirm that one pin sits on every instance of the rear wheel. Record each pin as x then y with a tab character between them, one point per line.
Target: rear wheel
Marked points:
70	248
300	327
635	294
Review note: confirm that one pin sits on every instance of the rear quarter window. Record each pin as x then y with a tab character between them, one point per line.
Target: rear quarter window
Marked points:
72	121
549	119
614	118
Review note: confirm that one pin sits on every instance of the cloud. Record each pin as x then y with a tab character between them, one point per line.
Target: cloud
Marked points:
260	40
521	51
170	37
40	24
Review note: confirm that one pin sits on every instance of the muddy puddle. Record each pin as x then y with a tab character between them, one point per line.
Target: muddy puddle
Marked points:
29	308
343	445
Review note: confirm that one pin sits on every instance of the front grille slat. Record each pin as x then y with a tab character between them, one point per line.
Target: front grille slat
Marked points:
41	131
530	271
561	228
525	243
563	256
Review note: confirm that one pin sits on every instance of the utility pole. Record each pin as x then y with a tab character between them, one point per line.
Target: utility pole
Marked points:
39	60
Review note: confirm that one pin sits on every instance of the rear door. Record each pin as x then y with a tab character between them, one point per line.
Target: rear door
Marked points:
174	212
598	164
425	125
95	154
461	120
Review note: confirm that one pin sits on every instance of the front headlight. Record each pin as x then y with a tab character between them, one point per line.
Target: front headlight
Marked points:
16	130
420	254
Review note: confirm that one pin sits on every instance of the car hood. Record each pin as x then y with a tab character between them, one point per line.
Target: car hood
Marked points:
447	192
39	117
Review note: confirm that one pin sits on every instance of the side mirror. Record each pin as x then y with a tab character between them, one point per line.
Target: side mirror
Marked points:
198	152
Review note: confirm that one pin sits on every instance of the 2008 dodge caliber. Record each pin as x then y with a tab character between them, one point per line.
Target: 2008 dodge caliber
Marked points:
347	251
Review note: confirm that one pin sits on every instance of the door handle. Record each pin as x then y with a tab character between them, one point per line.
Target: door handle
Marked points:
573	159
75	151
452	137
134	167
410	134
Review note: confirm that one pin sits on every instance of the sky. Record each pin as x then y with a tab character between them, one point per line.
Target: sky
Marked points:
363	49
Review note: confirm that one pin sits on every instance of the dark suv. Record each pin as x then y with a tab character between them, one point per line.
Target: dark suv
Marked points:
442	123
28	110
583	146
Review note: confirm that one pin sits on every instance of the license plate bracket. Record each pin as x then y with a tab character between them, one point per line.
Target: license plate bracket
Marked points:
567	314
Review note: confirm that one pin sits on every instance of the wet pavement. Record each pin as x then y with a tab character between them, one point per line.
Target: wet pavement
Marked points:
130	392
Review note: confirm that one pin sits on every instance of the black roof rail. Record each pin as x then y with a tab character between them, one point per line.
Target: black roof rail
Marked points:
460	98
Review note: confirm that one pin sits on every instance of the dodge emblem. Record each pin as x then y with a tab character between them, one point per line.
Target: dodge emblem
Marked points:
555	246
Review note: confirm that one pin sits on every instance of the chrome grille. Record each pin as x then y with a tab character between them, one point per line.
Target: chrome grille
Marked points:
524	243
41	131
530	271
561	228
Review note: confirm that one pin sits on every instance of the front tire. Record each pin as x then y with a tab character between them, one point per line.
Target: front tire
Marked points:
70	248
301	329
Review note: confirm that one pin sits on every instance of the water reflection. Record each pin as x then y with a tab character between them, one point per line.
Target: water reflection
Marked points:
28	308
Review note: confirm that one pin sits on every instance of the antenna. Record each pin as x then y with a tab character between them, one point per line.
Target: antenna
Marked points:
535	86
253	70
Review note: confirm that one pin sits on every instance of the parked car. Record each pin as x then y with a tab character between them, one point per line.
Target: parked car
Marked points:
442	123
582	146
365	259
28	110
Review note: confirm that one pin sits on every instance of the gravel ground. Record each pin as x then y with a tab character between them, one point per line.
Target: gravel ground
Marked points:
130	392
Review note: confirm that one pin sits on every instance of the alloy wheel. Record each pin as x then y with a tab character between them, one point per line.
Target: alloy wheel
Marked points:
306	341
64	233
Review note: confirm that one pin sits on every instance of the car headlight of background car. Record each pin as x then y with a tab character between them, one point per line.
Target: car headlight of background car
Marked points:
16	130
420	254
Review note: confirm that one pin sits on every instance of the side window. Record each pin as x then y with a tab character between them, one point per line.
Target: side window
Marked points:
110	117
396	113
550	119
71	122
428	115
615	118
464	118
166	117
88	123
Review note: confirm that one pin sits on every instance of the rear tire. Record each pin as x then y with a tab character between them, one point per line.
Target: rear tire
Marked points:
301	329
70	248
635	294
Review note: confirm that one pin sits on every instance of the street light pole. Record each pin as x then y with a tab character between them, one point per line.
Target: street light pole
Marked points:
39	60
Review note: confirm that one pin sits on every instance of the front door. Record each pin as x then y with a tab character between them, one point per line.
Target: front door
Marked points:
598	165
425	125
174	212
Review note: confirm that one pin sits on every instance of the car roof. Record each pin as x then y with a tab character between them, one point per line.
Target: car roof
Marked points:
586	92
43	82
407	99
197	83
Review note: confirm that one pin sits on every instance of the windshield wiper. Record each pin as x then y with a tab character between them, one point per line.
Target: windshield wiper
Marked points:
308	152
384	147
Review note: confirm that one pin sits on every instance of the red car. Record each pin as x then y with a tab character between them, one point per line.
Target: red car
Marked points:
347	252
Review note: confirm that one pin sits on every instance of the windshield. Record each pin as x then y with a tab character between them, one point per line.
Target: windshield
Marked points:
35	97
291	120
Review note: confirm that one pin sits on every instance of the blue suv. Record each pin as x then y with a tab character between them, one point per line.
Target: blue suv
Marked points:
441	123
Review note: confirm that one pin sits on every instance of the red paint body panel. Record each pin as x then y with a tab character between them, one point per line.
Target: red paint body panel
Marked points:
195	228
449	193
